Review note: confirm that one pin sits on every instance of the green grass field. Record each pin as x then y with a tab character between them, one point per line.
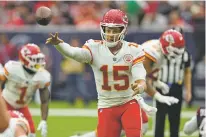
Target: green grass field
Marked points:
65	126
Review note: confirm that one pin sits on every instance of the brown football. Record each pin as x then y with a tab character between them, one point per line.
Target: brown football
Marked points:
43	15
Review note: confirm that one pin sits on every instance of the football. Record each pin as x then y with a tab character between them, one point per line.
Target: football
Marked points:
43	15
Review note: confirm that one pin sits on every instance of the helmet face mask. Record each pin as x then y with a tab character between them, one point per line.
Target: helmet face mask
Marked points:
31	57
36	62
112	35
175	53
113	27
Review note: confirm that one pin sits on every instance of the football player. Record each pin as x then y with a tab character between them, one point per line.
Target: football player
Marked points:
170	44
154	54
116	64
197	122
18	126
22	78
4	116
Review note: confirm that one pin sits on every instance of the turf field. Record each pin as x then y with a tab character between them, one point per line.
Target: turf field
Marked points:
64	122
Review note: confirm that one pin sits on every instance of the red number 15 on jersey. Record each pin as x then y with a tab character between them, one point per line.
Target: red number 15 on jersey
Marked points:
116	77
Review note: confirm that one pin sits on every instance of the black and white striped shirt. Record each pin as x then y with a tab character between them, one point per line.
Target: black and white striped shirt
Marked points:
172	70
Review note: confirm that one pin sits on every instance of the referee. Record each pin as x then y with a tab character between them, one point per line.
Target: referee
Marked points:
175	73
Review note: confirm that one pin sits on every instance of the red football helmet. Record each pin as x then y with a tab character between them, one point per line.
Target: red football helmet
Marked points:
31	57
114	18
172	43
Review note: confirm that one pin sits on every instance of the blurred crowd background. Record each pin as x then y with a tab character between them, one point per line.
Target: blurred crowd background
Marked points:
73	80
88	13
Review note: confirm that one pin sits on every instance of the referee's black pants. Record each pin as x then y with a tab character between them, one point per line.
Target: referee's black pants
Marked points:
173	112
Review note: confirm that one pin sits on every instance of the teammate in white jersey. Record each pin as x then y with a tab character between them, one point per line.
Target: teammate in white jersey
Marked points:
116	65
4	116
12	124
18	126
22	79
170	44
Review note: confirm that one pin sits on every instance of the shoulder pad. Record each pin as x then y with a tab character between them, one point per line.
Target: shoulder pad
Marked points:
152	49
92	42
136	48
137	52
44	77
150	43
132	44
12	67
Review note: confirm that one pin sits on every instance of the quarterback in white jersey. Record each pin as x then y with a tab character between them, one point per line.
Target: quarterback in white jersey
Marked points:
116	65
22	79
154	55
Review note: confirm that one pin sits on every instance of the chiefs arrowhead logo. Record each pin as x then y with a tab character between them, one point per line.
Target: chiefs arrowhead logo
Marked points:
128	58
170	39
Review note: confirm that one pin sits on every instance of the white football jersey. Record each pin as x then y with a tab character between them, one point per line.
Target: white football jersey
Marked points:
153	51
112	73
20	86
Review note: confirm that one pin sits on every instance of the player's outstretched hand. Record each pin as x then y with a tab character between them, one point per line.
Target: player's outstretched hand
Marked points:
54	39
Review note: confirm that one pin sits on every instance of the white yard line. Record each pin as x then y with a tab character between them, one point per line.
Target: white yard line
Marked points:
86	112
